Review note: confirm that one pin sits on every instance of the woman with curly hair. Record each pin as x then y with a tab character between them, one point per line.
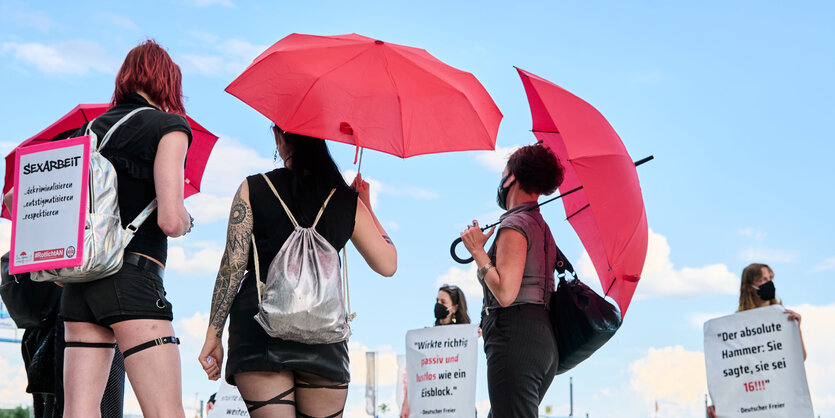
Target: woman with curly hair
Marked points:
517	275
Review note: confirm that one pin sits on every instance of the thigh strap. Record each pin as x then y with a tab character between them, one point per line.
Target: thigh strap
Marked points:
334	415
277	400
90	345
152	343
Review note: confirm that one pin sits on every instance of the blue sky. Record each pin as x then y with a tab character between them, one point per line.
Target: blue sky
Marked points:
733	100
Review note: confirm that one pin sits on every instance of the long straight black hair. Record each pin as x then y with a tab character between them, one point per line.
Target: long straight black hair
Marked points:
312	164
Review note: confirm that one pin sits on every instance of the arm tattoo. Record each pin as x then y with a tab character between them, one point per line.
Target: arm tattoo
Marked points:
387	239
233	263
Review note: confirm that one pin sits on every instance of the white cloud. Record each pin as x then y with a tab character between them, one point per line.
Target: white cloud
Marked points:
698	319
378	188
77	57
5	236
661	278
228	166
229	57
12	378
207	208
122	22
202	262
770	255
386	364
12	12
466	280
495	160
825	265
672	376
816	327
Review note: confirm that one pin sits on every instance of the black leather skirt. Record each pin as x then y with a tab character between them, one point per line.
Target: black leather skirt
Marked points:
251	349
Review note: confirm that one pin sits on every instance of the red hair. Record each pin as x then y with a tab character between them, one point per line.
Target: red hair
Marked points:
149	69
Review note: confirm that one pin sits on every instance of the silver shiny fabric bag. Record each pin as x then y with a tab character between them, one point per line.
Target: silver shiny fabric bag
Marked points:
104	238
302	300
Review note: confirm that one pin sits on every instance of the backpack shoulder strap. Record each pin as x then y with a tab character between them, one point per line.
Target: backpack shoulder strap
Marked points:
286	209
322	210
140	219
116	126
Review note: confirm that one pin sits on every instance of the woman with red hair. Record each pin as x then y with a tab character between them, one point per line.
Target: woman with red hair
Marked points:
129	310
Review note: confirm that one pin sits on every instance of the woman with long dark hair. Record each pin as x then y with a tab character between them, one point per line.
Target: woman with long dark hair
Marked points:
278	377
517	275
451	306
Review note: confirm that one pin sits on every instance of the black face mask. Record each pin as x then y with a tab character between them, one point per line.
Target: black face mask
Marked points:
766	291
441	311
501	193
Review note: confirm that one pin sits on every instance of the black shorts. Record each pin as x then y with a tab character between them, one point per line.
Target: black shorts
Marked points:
131	293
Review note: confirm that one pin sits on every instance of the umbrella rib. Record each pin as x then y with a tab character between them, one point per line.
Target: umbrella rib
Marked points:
578	211
448	84
319	77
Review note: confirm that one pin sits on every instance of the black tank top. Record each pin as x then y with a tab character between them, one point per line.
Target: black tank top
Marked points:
272	227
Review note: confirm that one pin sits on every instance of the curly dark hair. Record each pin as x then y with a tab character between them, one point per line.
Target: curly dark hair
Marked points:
536	168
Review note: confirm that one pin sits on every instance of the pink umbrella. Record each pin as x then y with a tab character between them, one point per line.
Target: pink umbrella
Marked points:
198	153
601	192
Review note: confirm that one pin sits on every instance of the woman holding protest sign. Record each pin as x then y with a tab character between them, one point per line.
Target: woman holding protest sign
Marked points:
282	377
129	308
450	308
756	290
517	275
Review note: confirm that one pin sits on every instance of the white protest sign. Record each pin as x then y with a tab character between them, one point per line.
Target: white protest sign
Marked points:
228	403
754	364
441	371
49	209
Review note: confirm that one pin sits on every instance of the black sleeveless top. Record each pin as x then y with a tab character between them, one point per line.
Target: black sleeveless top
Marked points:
272	227
132	150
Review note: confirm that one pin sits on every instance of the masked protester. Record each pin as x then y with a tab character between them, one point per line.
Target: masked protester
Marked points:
450	308
756	290
517	275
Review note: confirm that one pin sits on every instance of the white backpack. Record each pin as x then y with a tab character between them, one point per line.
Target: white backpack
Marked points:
303	297
104	238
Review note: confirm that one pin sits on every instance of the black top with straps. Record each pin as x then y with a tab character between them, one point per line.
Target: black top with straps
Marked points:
271	226
132	150
251	349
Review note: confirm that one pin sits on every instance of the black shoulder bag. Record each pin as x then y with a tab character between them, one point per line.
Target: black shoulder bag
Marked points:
30	304
583	320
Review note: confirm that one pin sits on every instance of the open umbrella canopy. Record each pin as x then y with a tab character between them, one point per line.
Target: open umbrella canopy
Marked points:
373	94
608	211
198	153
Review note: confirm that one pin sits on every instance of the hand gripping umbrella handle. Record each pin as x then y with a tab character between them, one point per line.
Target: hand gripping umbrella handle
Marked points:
458	241
455	256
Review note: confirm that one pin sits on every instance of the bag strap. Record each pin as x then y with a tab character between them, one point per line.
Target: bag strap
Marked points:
286	209
99	147
258	284
140	219
346	290
322	210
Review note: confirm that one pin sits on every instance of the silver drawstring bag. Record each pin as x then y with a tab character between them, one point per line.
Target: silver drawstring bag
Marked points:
302	299
104	238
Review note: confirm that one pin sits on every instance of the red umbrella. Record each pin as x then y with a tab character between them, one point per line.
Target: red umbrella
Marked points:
198	153
607	211
373	94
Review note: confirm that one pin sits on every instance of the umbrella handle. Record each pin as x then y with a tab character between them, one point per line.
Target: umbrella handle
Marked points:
455	256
